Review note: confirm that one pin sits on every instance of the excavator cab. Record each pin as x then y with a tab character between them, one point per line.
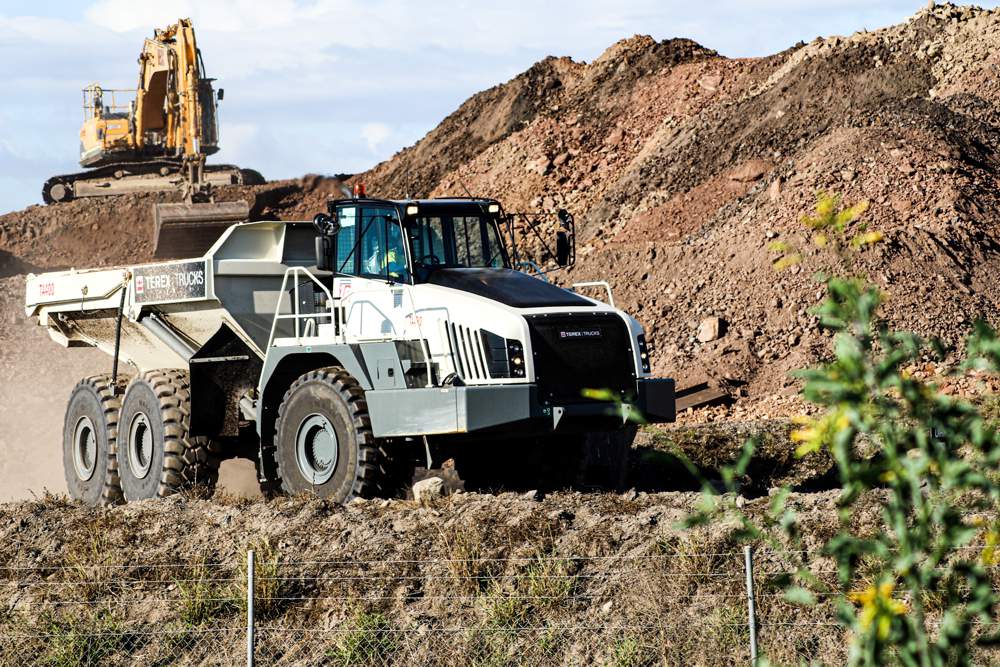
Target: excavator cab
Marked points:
106	134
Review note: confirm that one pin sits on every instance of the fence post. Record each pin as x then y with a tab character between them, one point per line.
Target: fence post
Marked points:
250	628
751	608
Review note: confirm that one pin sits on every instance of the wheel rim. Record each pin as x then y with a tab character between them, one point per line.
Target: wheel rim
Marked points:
84	448
140	446
59	192
316	449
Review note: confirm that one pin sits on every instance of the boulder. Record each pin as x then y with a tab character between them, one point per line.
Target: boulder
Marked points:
427	489
710	329
750	171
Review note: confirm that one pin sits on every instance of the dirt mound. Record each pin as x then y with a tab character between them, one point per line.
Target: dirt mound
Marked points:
686	173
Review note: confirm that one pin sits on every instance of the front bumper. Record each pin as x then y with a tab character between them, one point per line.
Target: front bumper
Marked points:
486	408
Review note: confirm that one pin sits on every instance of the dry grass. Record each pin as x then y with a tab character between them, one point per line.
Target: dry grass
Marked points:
569	580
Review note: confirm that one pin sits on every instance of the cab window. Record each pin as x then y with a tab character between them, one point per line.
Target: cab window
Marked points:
455	241
346	238
427	241
370	243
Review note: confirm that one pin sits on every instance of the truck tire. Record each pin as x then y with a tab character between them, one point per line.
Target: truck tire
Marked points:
323	438
90	430
157	455
606	458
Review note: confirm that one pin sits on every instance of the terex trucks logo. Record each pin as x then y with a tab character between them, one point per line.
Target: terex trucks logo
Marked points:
579	334
170	282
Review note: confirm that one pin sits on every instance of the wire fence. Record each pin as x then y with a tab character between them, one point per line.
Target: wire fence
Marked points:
630	610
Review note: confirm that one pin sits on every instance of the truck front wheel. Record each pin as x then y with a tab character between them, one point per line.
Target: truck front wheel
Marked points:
89	434
605	458
324	442
157	456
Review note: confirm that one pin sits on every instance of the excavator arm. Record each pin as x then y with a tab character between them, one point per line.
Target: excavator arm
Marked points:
174	96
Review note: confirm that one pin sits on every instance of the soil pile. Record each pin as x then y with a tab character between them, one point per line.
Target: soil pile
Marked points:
692	165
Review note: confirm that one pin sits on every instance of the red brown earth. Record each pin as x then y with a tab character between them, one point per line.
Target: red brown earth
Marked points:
682	166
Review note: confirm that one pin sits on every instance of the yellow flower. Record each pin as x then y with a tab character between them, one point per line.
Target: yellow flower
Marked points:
989	555
878	607
818	433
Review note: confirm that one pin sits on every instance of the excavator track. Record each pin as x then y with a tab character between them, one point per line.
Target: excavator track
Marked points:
146	176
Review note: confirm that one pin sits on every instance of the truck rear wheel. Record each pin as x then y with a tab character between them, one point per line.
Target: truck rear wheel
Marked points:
90	430
324	442
157	454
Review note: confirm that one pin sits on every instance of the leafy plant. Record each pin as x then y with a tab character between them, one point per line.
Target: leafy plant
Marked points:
933	472
369	640
832	227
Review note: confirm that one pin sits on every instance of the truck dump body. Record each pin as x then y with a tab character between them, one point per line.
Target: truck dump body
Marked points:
234	284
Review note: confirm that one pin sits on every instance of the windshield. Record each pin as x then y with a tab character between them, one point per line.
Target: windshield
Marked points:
459	240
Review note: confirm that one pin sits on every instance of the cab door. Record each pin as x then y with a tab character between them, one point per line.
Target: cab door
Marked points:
371	273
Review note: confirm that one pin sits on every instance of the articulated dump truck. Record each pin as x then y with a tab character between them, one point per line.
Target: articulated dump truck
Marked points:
345	355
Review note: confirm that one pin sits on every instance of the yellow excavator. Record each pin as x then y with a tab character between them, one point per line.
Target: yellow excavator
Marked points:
156	138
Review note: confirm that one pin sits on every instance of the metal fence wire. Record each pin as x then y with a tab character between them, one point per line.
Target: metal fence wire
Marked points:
649	609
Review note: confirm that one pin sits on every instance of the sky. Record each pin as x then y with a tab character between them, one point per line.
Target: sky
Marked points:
335	86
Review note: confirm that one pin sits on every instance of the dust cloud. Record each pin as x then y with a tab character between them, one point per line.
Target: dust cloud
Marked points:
36	378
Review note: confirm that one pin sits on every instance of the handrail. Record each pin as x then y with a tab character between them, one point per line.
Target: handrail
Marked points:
424	347
532	265
294	271
598	283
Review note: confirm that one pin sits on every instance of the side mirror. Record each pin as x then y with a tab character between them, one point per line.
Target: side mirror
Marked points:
222	94
326	225
325	248
562	248
326	241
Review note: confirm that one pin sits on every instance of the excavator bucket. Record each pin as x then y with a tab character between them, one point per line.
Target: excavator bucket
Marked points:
188	230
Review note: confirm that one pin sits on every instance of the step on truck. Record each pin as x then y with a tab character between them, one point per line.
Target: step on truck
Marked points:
344	353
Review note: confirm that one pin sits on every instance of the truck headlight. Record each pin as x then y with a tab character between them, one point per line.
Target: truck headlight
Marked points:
643	353
515	358
504	356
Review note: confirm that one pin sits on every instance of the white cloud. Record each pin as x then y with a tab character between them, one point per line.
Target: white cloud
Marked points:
238	142
375	134
221	15
20	30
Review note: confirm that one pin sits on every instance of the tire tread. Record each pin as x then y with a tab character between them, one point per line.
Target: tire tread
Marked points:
371	469
190	463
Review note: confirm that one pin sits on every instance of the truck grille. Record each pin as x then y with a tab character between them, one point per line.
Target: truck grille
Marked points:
577	352
466	348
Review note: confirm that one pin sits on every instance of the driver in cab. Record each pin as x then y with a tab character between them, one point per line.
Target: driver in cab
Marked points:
390	261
